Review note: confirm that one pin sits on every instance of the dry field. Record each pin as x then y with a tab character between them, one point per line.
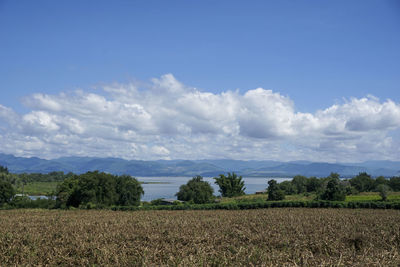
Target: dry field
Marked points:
281	237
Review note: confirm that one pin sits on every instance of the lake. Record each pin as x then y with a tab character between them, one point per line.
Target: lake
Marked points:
167	187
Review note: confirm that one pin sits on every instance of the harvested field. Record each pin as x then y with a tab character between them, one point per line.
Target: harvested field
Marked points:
278	237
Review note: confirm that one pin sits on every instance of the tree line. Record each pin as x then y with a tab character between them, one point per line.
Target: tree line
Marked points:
99	189
330	188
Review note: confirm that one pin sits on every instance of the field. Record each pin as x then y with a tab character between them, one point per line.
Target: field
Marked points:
373	196
38	188
364	196
277	237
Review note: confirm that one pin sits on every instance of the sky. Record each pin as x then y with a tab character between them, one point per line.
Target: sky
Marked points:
251	80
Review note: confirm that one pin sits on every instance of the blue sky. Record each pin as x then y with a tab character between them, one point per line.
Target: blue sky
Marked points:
314	54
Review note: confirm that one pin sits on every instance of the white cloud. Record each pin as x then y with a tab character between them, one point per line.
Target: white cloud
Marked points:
166	119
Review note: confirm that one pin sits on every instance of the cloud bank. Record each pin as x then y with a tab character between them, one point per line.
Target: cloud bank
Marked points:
168	120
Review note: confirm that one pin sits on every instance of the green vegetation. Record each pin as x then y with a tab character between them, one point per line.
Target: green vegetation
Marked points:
334	191
98	189
196	190
38	188
373	196
274	193
6	191
231	185
363	182
101	190
383	191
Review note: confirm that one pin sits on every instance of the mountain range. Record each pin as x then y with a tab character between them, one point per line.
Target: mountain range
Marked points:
196	167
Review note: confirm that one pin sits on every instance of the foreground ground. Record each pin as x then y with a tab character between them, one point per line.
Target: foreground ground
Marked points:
245	237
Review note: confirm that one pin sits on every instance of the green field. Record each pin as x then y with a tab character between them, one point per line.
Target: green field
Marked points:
372	196
38	188
365	196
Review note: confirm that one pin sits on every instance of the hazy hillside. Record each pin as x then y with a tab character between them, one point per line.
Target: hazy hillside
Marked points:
194	167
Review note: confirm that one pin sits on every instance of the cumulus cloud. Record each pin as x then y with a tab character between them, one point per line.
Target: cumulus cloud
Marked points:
166	119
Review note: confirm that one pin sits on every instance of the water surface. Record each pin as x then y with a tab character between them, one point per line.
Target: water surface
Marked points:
166	187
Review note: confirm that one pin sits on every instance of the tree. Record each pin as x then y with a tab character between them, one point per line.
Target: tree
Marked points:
313	184
129	191
196	190
99	188
231	185
3	169
378	181
334	191
334	175
274	192
287	187
299	183
394	183
24	179
7	191
66	193
383	191
362	182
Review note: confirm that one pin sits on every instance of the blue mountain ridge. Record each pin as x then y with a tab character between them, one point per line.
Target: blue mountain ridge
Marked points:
204	167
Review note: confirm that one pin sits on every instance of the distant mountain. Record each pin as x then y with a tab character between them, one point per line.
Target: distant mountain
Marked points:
197	167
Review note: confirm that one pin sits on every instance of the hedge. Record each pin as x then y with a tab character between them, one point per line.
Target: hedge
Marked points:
267	204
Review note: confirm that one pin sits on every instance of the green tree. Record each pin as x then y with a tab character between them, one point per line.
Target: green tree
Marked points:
299	183
287	187
334	191
129	191
7	191
3	169
313	184
231	185
394	183
383	191
274	192
98	188
362	182
378	181
334	175
67	193
196	190
24	179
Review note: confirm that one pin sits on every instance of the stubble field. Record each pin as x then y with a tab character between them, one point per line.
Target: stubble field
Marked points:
281	237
